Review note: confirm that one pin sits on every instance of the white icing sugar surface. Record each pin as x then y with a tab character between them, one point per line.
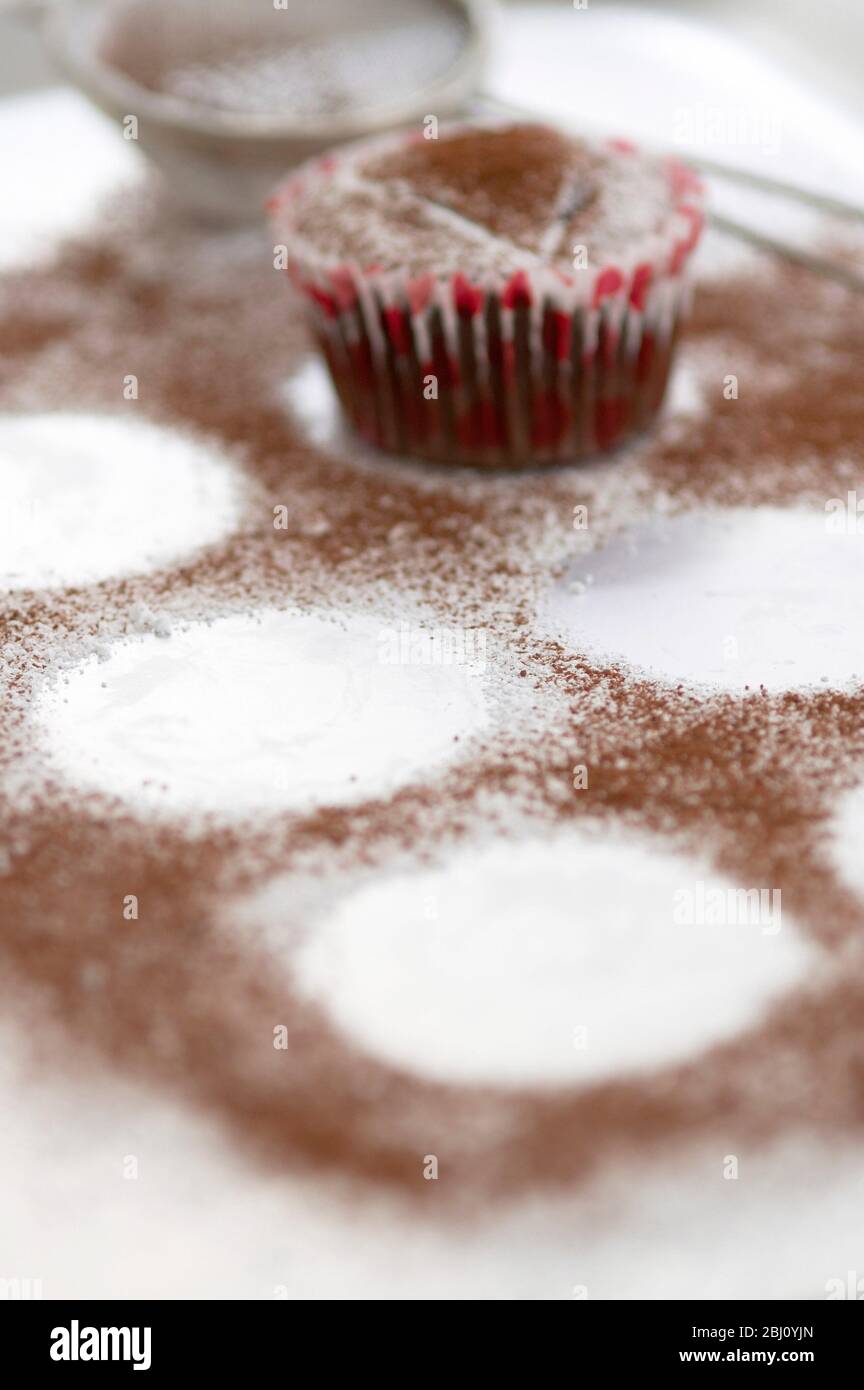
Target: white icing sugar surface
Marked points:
38	132
725	599
505	966
555	961
91	497
846	838
262	712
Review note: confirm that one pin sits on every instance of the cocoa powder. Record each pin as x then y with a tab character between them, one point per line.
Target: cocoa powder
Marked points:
178	999
508	180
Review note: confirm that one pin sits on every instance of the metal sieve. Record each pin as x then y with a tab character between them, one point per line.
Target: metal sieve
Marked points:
221	163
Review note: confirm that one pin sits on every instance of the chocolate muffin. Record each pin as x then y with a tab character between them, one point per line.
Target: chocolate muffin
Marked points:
497	296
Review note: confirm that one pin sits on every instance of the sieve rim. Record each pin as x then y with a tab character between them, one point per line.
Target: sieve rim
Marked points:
108	86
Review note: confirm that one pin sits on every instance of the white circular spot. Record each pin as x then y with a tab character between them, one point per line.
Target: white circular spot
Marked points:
725	599
76	175
847	839
88	497
276	710
571	959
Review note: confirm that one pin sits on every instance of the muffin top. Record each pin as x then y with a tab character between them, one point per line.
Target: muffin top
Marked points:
479	199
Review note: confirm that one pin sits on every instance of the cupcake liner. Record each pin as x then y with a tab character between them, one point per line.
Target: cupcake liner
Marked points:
535	367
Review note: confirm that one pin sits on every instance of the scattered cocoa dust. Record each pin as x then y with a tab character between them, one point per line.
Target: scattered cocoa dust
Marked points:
184	1004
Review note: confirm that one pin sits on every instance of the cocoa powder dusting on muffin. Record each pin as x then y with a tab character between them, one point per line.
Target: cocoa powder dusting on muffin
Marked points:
496	196
510	180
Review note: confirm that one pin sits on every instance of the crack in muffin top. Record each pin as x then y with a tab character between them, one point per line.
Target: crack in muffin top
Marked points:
481	199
